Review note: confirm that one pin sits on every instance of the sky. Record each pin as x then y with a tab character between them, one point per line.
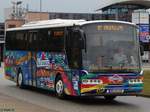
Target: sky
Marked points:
76	6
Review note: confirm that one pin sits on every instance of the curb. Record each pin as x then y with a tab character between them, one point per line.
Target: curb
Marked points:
142	95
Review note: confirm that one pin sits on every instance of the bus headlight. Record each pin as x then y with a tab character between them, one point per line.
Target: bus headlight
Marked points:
92	81
135	81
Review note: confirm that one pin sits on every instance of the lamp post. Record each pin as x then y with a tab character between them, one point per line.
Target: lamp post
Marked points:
40	9
40	5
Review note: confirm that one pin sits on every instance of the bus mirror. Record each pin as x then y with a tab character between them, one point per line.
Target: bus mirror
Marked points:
141	50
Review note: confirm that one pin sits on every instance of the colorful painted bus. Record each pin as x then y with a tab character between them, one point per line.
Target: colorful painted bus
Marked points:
76	57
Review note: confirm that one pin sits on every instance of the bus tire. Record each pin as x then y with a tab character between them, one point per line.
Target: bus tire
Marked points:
20	83
109	98
59	87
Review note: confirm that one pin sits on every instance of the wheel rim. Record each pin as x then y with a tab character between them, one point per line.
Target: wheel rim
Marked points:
59	87
20	79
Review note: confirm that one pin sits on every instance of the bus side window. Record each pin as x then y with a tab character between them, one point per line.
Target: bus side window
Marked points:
26	44
50	42
30	41
42	40
57	40
20	43
33	42
73	50
10	40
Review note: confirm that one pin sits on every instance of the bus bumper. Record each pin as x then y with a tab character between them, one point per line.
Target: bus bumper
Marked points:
117	91
119	85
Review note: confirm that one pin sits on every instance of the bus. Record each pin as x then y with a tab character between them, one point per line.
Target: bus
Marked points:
76	57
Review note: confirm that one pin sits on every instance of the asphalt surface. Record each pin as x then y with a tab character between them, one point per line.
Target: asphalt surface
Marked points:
10	104
89	104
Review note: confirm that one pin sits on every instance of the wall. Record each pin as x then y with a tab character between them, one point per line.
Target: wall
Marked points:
12	23
36	16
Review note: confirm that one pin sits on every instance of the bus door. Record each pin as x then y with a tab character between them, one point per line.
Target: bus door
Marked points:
74	55
73	44
32	56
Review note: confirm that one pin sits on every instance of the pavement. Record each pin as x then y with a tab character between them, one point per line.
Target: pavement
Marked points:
10	104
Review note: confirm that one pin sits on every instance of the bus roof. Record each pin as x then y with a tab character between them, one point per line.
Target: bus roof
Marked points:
61	23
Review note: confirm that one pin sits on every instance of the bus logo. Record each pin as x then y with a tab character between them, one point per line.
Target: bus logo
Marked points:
116	79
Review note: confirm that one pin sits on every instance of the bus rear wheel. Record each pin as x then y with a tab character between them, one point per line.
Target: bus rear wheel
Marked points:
109	98
20	83
59	87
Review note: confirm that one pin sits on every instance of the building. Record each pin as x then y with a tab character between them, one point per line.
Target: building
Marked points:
135	11
123	9
85	16
2	32
36	16
12	23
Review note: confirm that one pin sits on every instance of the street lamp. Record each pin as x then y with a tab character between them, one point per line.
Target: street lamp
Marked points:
40	8
40	5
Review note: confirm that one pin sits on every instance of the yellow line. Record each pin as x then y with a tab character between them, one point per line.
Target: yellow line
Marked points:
92	88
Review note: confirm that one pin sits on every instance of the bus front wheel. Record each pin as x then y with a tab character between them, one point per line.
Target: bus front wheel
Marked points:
59	87
109	98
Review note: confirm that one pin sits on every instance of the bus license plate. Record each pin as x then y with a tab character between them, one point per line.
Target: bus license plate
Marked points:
116	91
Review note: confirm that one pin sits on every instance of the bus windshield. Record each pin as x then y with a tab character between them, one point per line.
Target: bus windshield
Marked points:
111	47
